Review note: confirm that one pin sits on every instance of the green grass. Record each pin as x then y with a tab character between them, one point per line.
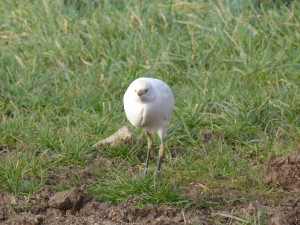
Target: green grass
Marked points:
147	190
64	66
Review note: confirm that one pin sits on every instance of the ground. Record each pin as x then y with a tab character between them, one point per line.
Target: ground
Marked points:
233	139
76	206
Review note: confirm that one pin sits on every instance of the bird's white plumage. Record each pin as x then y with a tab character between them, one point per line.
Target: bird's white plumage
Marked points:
148	104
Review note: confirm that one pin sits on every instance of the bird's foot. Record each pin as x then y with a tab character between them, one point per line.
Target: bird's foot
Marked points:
145	171
157	175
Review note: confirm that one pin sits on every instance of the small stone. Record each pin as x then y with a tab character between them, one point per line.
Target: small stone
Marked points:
124	134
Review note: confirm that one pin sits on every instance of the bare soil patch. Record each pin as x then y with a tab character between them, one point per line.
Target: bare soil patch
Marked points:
287	214
285	171
76	206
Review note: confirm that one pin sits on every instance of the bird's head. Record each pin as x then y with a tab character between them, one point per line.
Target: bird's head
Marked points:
144	90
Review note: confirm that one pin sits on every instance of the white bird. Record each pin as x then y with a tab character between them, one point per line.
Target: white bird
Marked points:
148	105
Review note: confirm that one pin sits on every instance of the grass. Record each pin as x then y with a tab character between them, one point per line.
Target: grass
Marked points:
256	219
64	66
147	190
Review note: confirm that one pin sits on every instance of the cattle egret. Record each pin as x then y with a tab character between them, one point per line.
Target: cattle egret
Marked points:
148	104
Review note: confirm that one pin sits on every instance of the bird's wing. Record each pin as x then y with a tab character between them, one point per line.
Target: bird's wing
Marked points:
133	110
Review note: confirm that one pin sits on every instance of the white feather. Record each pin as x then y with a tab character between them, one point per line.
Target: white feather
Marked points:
148	104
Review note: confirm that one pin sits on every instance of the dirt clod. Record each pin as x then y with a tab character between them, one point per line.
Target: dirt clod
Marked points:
284	171
206	135
5	147
69	200
177	151
28	219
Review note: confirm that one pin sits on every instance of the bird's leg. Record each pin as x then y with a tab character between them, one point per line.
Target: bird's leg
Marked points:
149	146
160	157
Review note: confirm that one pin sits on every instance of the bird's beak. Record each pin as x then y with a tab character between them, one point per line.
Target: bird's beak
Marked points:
141	92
